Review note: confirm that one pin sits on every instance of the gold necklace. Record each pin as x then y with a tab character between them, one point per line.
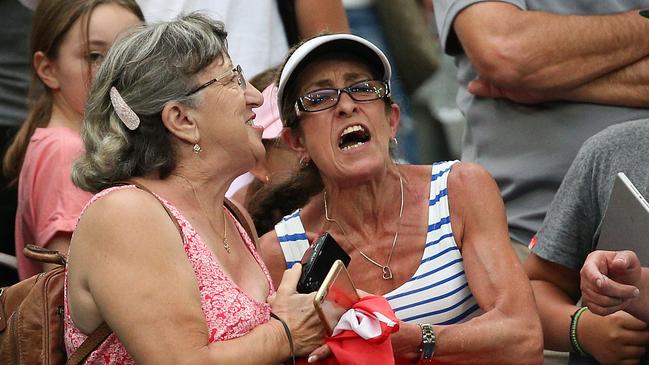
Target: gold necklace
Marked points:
387	271
226	243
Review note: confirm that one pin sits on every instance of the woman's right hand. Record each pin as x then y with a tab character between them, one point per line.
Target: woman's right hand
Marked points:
610	280
613	339
298	312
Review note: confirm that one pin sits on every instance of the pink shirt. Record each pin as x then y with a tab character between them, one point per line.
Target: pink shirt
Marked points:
48	201
229	311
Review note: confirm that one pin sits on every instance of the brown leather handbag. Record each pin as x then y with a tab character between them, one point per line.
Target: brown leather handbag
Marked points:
31	317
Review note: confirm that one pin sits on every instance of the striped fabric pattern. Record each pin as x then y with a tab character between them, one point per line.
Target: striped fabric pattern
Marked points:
438	292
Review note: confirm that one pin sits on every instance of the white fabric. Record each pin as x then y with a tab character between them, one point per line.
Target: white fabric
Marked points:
238	183
256	38
365	325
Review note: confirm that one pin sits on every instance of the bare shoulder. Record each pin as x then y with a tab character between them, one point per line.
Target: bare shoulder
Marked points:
475	204
121	205
470	178
122	217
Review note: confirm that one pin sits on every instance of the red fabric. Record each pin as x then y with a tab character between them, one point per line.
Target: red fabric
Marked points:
350	349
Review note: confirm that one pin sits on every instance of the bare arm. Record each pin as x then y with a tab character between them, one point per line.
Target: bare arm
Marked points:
609	339
556	289
539	51
133	267
628	86
496	279
317	16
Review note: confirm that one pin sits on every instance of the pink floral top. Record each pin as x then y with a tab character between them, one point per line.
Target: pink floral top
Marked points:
229	311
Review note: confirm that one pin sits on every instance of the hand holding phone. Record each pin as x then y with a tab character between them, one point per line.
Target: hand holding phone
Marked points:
318	260
336	295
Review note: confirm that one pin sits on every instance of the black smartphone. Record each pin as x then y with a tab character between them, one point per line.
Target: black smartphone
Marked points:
318	260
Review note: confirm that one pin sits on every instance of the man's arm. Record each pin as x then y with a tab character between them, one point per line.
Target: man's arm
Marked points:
538	51
316	16
628	86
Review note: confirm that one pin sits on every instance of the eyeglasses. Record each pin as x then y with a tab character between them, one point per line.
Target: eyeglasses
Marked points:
237	71
322	99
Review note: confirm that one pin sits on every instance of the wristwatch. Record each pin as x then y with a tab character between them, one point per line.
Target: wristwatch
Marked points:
427	342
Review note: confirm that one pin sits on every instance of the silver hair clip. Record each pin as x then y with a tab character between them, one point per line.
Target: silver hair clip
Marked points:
124	112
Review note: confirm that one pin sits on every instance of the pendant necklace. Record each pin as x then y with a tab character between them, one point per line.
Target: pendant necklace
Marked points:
226	244
387	271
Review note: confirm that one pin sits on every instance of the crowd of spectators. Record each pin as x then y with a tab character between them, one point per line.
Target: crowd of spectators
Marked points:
141	138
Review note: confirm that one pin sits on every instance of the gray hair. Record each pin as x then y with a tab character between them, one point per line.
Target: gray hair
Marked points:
151	66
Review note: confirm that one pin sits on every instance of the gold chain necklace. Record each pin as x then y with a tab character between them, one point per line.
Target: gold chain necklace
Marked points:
224	237
387	271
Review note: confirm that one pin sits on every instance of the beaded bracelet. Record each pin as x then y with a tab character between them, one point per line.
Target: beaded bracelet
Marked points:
574	319
288	334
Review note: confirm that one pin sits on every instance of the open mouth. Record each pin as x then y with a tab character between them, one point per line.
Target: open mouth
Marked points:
352	137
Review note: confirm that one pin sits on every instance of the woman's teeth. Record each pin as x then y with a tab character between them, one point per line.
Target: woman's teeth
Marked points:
346	148
352	137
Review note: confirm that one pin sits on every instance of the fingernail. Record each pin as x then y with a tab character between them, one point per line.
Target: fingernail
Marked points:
312	359
598	282
636	292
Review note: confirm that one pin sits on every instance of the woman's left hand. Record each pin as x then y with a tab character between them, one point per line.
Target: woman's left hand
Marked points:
405	342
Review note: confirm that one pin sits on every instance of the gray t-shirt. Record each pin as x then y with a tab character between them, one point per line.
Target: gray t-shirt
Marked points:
528	149
572	225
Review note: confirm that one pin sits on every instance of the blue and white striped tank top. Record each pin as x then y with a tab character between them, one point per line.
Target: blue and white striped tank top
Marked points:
438	292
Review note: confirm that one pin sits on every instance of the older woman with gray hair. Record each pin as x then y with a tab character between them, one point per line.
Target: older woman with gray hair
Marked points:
170	113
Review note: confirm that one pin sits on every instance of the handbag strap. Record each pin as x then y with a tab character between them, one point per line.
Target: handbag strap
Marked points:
42	254
93	341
